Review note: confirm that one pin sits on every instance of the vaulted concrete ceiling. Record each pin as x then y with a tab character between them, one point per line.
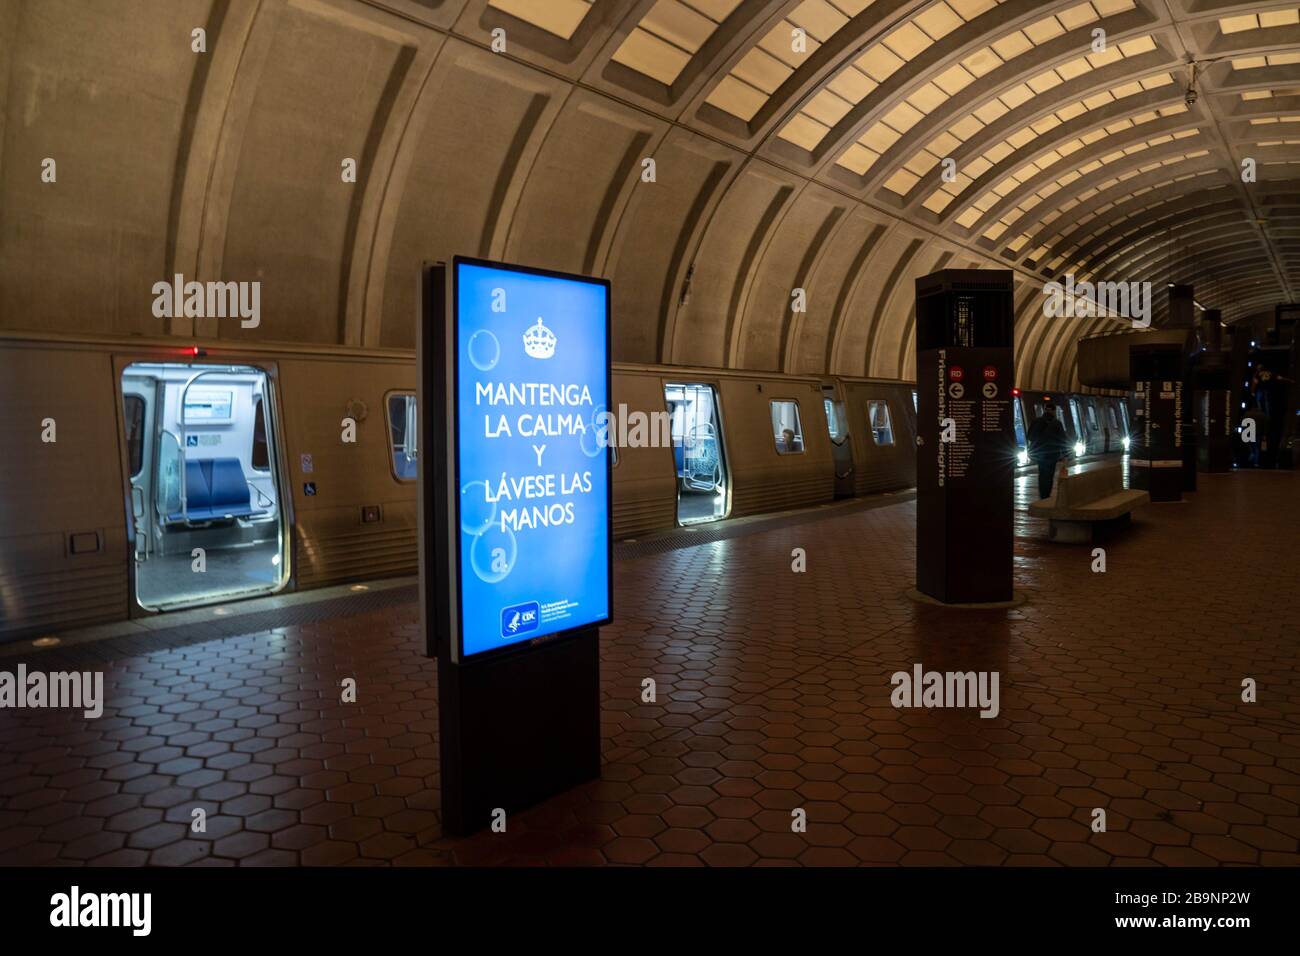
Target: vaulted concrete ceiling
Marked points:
842	147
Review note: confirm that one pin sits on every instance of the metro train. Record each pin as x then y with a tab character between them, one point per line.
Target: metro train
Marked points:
154	477
1094	424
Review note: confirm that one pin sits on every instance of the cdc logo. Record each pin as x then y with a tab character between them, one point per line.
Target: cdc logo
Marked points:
519	619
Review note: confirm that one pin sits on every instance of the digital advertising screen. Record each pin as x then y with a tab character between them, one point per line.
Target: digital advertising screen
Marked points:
531	391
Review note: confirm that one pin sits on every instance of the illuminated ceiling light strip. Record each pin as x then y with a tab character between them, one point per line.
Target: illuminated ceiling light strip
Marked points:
967	220
1259	21
881	61
996	107
880	137
943	195
669	35
1111	226
559	17
1269	59
1032	168
750	83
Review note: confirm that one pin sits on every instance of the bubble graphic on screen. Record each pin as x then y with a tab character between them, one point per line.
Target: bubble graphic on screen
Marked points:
597	435
484	350
476	512
493	553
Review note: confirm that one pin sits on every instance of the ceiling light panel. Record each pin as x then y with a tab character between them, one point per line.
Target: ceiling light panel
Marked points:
892	53
747	87
946	192
980	63
672	32
559	17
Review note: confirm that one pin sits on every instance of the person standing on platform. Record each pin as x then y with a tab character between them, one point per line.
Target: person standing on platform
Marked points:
1046	440
1265	420
1248	452
1257	450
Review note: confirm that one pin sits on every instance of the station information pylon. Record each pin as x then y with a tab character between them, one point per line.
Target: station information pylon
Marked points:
966	450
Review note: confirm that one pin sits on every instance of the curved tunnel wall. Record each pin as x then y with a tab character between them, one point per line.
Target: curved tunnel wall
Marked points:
226	165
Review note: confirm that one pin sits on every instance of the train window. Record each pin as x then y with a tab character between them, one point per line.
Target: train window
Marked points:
915	407
133	412
404	436
1114	422
787	432
1076	417
882	431
260	456
1092	417
1020	422
698	454
835	420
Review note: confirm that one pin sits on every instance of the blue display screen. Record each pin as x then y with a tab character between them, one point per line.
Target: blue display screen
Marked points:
532	377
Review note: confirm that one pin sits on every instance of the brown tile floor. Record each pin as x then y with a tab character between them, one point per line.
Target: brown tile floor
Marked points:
1118	690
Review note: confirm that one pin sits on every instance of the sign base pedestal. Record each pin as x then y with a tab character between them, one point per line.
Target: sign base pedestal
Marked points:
920	597
517	729
1163	484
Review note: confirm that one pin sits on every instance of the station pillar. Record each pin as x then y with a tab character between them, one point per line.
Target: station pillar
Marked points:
1156	446
1213	398
1182	315
965	370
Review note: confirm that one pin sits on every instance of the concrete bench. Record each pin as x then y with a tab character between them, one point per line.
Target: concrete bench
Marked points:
1087	498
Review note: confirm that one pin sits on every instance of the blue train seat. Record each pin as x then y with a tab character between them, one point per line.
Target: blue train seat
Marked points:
230	496
198	490
215	488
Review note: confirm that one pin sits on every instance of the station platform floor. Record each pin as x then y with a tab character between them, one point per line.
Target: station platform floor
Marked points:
1119	690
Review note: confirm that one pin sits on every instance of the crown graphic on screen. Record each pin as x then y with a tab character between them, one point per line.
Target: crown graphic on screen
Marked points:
539	341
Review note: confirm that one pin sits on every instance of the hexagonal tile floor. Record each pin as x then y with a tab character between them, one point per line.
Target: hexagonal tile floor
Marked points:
1119	691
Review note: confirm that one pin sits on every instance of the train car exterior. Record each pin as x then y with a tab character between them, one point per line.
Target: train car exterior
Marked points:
879	418
738	443
157	476
1095	424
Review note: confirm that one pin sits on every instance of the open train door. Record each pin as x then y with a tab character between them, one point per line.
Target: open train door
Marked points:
205	510
699	451
837	423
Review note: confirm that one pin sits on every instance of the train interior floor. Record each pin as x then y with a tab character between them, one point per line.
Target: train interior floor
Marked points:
169	580
1120	690
694	507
